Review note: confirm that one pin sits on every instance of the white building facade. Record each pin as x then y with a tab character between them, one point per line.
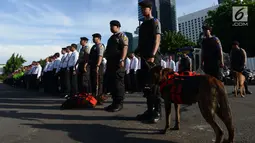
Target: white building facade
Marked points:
190	25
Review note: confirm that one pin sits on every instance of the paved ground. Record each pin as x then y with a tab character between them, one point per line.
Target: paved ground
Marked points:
31	117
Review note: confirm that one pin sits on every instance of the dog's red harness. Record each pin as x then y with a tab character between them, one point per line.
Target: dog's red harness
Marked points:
175	88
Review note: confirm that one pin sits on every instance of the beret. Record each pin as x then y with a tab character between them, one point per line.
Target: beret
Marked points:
145	3
97	35
84	38
206	27
115	23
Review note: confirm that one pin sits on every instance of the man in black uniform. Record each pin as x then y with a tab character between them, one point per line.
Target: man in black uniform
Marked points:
212	55
96	68
185	64
116	52
149	41
238	61
83	71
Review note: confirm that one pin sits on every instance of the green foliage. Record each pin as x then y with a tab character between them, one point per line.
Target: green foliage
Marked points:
172	41
14	62
221	22
42	62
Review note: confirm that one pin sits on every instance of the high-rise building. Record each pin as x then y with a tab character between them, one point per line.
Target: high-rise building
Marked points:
165	11
190	25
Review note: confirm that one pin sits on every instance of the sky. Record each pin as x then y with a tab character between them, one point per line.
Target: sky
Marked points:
39	28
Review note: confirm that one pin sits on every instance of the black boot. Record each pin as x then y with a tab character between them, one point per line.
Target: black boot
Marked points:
148	113
246	88
157	112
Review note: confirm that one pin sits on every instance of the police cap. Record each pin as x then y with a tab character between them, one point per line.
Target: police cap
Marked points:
96	35
68	47
64	48
84	38
206	27
115	23
145	4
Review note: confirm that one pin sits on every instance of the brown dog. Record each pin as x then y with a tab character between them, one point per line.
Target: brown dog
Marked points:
204	89
239	79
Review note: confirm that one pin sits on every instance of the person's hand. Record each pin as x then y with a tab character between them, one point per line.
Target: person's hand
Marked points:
85	68
74	72
121	64
150	60
97	69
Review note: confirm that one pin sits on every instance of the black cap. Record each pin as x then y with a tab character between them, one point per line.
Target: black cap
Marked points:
64	48
145	3
84	38
96	35
206	27
74	46
115	23
235	43
68	47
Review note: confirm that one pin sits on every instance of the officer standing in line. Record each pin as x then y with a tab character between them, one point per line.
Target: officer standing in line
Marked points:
211	53
116	52
45	75
66	76
72	70
148	45
96	68
55	88
60	71
51	74
83	74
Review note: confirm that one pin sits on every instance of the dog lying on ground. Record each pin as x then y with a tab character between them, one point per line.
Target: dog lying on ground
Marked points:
206	90
239	80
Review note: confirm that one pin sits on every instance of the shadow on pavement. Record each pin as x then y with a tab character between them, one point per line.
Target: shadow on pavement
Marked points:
97	133
29	116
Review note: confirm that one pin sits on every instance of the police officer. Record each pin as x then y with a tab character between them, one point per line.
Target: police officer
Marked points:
116	52
238	61
185	63
83	72
148	44
96	68
212	55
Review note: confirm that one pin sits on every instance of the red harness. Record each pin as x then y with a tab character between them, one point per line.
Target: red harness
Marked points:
176	89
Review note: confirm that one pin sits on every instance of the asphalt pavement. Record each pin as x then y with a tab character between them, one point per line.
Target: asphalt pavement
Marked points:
32	117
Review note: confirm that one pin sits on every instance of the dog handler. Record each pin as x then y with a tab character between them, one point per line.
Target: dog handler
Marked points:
149	40
116	52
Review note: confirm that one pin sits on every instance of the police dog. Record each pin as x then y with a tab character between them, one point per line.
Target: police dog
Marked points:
207	91
239	80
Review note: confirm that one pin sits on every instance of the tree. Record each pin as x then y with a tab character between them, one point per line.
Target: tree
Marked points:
222	26
171	41
13	63
42	62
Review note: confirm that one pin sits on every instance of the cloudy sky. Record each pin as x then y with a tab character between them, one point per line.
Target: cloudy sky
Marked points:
38	28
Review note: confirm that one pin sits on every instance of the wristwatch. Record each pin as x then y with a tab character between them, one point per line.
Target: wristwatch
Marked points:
121	60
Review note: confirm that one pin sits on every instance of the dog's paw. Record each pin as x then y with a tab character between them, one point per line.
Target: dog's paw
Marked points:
165	131
175	128
227	141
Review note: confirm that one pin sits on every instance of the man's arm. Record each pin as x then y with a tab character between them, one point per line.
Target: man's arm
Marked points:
39	72
136	64
158	36
101	49
190	61
245	57
124	42
218	43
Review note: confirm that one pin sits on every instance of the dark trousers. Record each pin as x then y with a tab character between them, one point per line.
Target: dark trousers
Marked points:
55	82
115	81
150	90
73	82
96	80
46	82
83	79
213	71
50	81
133	81
65	81
34	82
127	82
